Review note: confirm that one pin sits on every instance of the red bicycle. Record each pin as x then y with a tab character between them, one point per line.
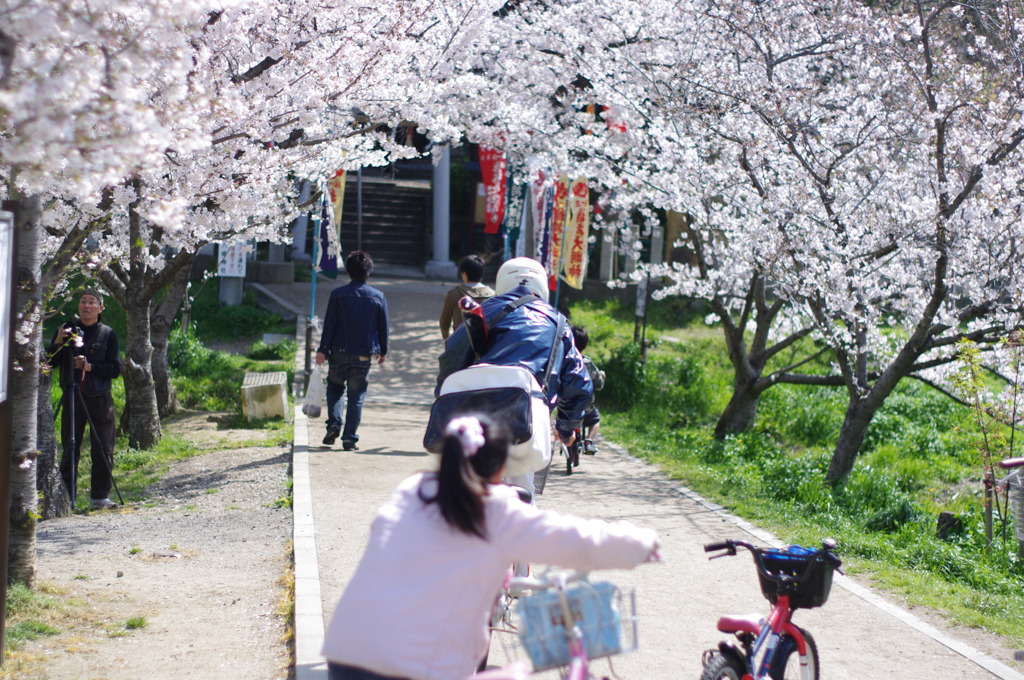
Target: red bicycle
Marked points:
774	648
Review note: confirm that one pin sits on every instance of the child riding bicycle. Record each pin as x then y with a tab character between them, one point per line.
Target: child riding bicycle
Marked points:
418	604
591	416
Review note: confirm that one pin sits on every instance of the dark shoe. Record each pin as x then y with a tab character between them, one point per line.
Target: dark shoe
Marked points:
589	448
349	446
331	437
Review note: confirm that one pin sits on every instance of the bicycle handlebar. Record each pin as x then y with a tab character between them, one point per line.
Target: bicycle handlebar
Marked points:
828	545
546	581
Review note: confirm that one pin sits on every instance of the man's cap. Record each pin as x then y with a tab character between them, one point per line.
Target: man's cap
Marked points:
93	292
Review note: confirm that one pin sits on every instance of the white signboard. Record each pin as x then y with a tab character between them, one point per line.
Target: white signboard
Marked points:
231	259
6	298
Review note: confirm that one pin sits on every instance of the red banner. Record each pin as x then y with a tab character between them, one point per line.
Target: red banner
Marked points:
558	215
492	168
577	228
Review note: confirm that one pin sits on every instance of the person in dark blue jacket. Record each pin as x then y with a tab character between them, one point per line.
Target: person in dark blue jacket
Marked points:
355	330
524	337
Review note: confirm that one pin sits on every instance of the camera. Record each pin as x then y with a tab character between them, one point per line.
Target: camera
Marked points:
74	334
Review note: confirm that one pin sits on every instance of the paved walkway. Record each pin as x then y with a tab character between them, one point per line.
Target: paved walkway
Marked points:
860	634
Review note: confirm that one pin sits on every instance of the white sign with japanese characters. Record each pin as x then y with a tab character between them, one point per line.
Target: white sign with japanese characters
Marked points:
231	259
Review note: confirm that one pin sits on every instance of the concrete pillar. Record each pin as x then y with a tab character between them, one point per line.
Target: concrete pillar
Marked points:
607	238
231	289
440	265
657	245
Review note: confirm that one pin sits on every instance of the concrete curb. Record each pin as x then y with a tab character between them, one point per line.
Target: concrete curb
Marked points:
991	665
309	619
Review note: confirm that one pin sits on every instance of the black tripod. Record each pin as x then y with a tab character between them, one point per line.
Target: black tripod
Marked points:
72	394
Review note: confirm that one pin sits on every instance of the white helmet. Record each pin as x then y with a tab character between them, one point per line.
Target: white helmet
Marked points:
522	271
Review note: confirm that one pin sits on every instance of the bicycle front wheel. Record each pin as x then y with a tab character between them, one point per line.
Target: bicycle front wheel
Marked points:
786	662
721	667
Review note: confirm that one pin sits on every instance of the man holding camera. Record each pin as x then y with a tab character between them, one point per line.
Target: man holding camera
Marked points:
87	354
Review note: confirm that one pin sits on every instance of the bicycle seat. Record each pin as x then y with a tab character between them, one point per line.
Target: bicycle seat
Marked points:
751	623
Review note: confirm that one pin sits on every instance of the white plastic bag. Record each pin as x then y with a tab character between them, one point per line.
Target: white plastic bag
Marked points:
314	393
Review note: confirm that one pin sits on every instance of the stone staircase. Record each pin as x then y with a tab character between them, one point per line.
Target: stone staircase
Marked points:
395	219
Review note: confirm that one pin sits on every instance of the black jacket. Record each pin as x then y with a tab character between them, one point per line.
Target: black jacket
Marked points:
100	348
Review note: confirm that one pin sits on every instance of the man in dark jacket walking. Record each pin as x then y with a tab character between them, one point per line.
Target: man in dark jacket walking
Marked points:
87	353
355	329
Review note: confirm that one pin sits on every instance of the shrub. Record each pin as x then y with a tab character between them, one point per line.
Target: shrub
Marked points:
278	351
808	416
624	376
216	321
186	353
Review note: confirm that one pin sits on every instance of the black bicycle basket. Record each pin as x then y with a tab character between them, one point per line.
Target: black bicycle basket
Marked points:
793	561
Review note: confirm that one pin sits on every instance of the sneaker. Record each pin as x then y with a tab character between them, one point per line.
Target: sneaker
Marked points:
101	504
589	448
331	437
349	446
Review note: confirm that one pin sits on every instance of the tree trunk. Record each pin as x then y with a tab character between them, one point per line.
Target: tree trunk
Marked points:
140	391
54	498
859	414
741	410
166	397
23	511
160	329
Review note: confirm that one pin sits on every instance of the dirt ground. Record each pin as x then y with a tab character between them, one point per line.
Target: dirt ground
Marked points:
188	584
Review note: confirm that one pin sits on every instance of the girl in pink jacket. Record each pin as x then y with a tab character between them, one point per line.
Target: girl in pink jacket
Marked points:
418	604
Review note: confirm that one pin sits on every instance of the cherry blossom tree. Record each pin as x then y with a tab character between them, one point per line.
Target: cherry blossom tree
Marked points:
852	173
133	133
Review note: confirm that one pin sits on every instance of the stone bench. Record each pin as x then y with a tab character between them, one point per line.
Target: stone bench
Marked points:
265	395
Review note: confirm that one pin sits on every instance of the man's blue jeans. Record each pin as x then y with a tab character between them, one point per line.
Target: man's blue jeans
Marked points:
347	371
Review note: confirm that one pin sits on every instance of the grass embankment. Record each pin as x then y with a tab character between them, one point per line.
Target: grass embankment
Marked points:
205	380
920	458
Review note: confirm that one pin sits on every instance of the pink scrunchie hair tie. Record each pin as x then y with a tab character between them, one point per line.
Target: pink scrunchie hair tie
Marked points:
470	434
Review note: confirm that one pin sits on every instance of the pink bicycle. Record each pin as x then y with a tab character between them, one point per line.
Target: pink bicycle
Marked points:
565	622
774	648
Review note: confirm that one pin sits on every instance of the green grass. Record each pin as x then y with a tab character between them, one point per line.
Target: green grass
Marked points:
919	458
123	629
30	615
210	380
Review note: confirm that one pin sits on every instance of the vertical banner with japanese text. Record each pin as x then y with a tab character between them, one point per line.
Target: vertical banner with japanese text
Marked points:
331	206
540	210
558	215
492	169
336	192
577	233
